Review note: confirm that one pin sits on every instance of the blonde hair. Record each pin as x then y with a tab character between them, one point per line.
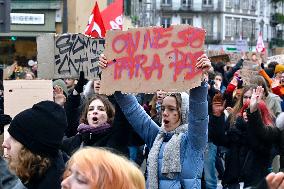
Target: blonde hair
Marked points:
106	170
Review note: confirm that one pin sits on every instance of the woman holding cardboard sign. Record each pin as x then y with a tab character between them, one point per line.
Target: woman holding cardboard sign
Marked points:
176	149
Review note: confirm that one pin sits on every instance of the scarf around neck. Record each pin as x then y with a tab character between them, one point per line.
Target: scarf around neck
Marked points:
84	128
171	163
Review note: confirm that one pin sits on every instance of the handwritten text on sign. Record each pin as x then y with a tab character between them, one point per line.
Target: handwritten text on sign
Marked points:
147	59
75	53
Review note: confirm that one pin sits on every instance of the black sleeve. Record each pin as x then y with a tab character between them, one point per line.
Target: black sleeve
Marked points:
73	111
261	185
125	135
230	73
217	130
269	134
70	145
281	150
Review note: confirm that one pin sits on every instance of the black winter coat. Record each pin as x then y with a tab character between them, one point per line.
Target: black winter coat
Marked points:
249	148
112	139
53	176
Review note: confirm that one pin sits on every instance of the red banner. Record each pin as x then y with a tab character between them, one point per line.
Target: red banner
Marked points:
95	27
112	15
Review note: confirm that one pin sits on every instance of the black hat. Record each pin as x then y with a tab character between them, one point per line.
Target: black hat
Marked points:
40	128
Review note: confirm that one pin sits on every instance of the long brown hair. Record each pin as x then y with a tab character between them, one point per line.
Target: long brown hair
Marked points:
108	105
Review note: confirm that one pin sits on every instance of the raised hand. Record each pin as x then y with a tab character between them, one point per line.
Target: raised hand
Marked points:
255	98
203	63
218	105
81	82
275	181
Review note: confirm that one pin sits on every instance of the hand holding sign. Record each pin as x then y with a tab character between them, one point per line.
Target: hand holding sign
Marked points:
102	61
203	63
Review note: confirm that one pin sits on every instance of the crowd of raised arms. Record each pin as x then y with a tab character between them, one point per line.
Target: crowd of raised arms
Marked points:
227	129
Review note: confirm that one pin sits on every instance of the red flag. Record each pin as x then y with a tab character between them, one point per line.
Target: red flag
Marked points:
260	45
112	15
95	27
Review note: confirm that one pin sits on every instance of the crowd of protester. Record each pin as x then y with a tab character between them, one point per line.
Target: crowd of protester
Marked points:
228	129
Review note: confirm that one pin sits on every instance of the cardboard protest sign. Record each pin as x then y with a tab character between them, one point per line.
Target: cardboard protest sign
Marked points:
235	57
277	58
147	59
220	58
22	94
64	56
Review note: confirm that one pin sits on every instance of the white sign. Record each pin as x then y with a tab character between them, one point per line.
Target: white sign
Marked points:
277	58
242	45
26	18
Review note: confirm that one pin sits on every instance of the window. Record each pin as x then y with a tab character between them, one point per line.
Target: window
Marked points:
237	28
237	4
166	22
253	5
207	24
262	6
229	26
186	21
229	3
246	28
127	7
233	27
207	2
186	3
166	2
245	4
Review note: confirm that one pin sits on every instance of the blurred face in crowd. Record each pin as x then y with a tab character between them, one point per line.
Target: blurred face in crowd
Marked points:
218	78
13	148
69	82
75	179
253	57
170	113
218	81
160	95
97	114
247	96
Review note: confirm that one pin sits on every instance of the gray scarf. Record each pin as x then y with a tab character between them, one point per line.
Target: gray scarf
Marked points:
171	163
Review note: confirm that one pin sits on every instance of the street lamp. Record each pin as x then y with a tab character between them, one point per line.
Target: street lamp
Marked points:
252	33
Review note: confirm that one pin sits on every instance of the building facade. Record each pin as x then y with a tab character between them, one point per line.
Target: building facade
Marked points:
231	25
29	18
